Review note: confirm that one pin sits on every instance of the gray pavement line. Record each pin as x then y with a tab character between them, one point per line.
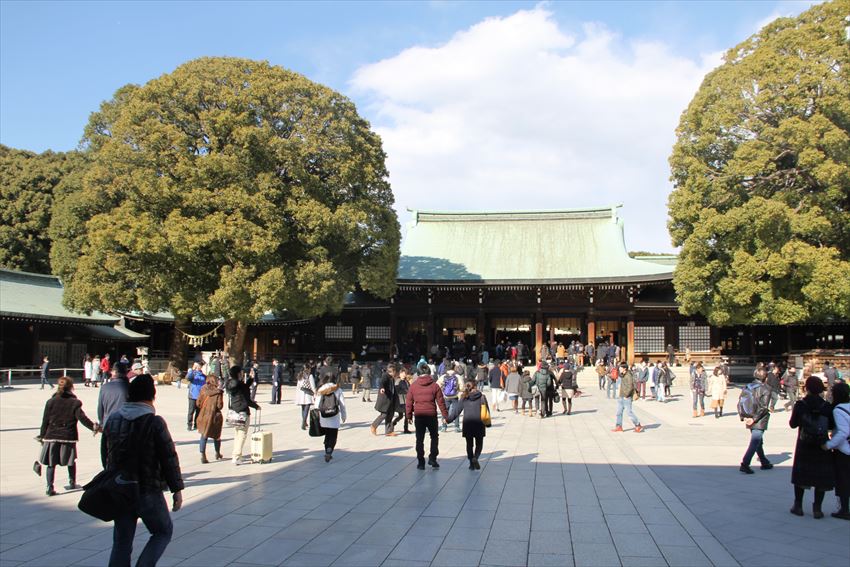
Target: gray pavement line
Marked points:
687	519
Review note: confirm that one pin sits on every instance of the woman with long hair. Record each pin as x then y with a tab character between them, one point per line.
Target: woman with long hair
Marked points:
717	390
813	465
305	390
210	420
331	405
470	402
240	404
59	436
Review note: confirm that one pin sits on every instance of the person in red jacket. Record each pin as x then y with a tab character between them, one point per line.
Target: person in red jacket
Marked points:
423	399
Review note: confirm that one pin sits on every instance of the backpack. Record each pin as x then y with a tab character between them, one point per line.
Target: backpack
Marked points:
747	401
814	428
450	386
328	405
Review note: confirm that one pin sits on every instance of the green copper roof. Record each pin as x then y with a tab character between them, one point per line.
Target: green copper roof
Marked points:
556	246
36	296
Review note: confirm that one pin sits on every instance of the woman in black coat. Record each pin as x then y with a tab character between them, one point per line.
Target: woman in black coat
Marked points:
387	402
813	465
58	434
469	404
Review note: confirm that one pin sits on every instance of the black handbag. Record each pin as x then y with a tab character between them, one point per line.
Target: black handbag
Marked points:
114	491
315	425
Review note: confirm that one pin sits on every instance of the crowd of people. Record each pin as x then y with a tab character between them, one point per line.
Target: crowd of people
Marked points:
427	396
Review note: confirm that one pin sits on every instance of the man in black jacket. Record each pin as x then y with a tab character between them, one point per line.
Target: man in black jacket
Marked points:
113	395
757	422
277	380
137	440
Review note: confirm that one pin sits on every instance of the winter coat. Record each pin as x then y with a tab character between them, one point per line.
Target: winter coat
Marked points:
495	377
112	396
525	387
470	407
717	386
424	397
568	380
159	467
542	379
761	412
240	396
387	400
302	398
699	382
512	384
331	389
61	414
209	421
627	384
812	465
841	417
196	380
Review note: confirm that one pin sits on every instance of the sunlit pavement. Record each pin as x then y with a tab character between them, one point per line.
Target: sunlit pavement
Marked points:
559	491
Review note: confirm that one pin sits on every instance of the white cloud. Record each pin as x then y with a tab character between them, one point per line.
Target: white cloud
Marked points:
515	113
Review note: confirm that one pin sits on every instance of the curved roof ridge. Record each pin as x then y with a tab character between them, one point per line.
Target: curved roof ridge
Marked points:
599	209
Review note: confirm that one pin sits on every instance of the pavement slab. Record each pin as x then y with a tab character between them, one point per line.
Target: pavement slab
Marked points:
563	491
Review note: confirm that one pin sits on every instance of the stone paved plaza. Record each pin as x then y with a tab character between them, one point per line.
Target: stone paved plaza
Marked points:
561	491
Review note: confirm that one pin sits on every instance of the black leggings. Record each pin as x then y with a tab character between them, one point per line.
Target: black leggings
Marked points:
798	496
330	439
51	475
479	444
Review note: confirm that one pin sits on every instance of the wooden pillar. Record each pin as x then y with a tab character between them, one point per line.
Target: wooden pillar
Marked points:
393	327
591	332
480	335
630	339
538	334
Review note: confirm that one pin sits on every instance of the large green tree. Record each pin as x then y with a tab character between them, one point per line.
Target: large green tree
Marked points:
28	184
761	173
228	188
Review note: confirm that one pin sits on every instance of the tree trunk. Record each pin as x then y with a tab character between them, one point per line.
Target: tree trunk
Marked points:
177	359
234	340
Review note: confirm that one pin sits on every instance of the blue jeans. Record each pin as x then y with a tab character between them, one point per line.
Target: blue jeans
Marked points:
611	388
153	511
756	447
623	404
450	403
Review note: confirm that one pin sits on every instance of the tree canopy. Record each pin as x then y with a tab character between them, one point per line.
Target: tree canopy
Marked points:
28	183
227	188
761	174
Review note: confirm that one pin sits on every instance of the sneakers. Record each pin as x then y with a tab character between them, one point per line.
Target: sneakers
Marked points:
391	434
766	466
236	461
638	428
618	429
746	469
72	486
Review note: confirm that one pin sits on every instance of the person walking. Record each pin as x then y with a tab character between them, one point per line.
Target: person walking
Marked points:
717	389
813	463
792	386
569	387
839	444
196	380
136	432
253	380
105	368
525	391
601	373
497	382
331	405
698	384
210	420
753	409
423	400
45	372
354	377
240	403
366	383
58	434
277	381
88	370
512	386
624	400
113	395
470	405
641	379
540	384
305	391
611	378
671	355
450	383
95	367
386	403
666	379
773	383
402	388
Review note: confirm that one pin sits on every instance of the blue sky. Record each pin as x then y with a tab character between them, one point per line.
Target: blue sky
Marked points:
59	60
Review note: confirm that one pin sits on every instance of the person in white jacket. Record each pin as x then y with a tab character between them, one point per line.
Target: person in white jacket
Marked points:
305	390
331	412
840	446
